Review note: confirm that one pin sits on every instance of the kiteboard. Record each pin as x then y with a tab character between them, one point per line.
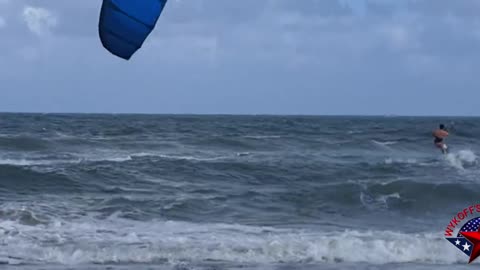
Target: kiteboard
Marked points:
444	149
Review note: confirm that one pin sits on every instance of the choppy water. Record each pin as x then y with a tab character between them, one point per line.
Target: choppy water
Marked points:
231	192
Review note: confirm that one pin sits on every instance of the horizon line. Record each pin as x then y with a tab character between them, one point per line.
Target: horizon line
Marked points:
233	114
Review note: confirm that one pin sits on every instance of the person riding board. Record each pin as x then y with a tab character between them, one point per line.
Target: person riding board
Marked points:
440	134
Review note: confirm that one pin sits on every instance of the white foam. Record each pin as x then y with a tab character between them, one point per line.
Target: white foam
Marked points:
160	155
34	162
43	162
461	158
117	240
101	157
191	157
111	159
377	202
400	161
259	137
384	143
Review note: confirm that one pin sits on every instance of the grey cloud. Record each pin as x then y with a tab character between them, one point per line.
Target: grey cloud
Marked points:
272	56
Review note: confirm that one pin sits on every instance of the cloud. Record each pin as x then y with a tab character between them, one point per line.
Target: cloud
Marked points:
401	35
3	4
39	20
230	56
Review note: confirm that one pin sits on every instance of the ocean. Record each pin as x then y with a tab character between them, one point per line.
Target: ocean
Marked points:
84	191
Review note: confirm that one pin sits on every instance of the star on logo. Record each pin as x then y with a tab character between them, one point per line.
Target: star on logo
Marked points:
474	238
467	239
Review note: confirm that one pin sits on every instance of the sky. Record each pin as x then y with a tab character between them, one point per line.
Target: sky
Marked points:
327	57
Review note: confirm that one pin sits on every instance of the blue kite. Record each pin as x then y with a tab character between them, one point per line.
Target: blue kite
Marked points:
124	25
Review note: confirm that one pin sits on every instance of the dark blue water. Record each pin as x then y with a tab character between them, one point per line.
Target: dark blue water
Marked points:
231	192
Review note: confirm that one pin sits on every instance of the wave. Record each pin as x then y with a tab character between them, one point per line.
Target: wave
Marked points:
49	162
462	159
402	161
195	158
21	216
25	162
20	179
402	196
374	202
22	143
112	157
260	137
384	143
116	240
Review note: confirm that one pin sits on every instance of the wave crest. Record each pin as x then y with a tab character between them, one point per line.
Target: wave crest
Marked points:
120	241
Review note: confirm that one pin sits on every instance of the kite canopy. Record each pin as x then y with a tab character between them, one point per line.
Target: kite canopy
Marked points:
125	24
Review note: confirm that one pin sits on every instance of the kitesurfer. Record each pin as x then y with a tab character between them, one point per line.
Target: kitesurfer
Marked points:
440	134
